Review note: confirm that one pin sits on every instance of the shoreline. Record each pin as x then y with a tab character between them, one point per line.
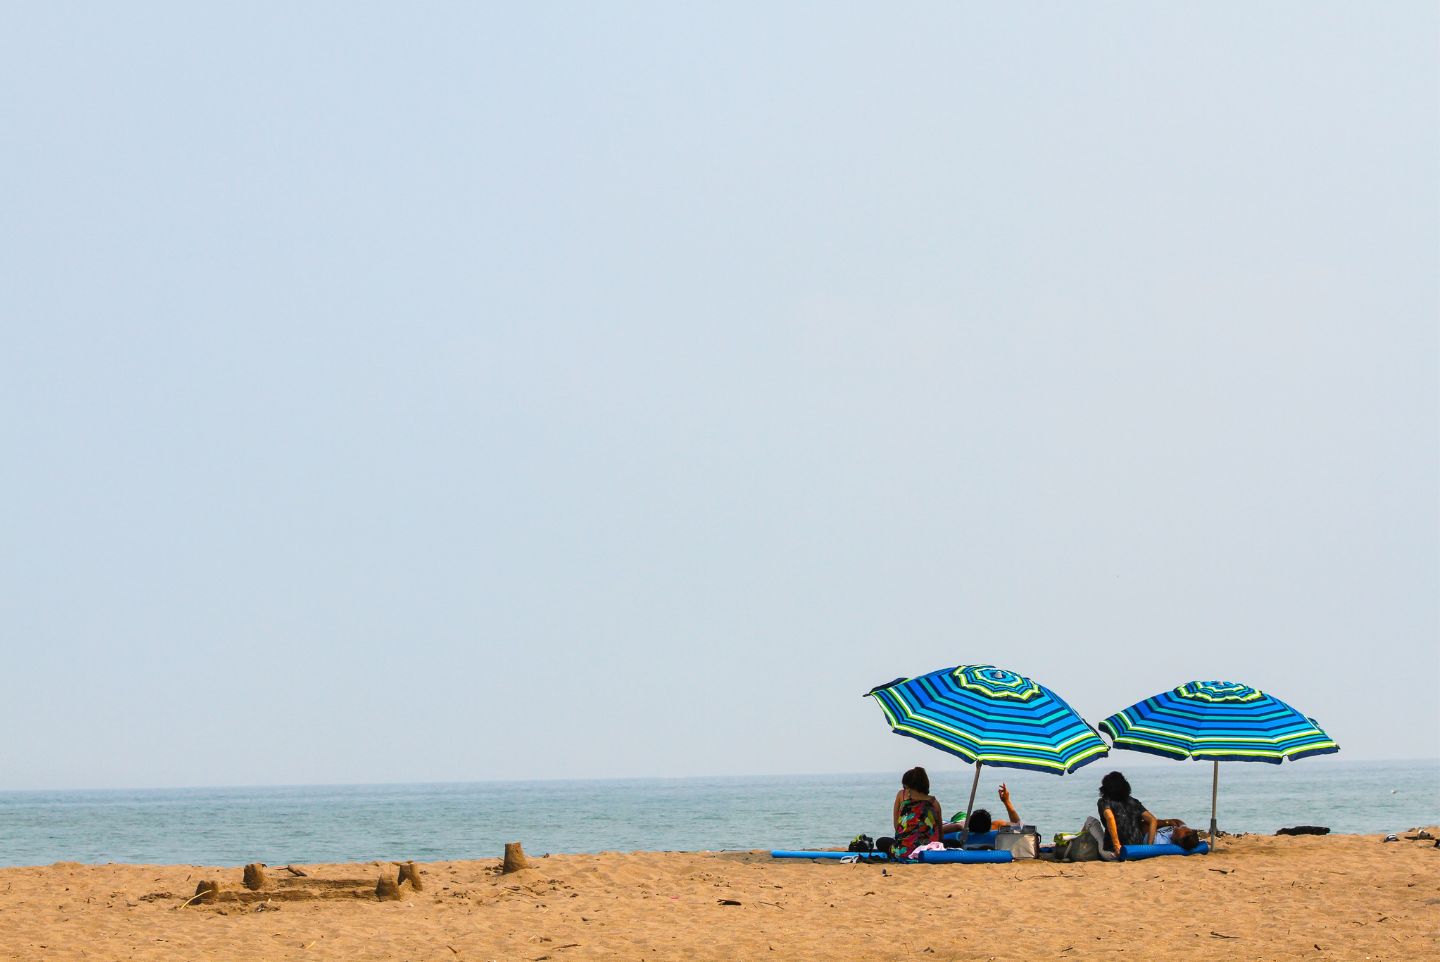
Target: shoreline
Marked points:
233	827
1226	839
1278	897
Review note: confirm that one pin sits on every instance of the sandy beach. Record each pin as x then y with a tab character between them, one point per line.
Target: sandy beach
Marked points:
1340	897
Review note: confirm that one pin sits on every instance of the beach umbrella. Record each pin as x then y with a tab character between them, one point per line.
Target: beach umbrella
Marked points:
989	716
1217	721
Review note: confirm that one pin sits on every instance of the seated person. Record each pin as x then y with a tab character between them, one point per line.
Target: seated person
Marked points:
1127	821
915	815
1124	817
979	821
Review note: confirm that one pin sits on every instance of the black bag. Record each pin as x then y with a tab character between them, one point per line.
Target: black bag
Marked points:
862	843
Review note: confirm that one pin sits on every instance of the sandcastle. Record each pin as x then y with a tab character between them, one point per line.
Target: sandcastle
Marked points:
292	884
258	885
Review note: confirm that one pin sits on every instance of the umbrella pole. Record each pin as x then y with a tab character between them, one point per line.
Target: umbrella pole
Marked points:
969	807
1214	793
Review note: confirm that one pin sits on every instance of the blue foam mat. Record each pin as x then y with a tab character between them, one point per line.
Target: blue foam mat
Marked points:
965	856
1133	853
976	840
950	855
863	856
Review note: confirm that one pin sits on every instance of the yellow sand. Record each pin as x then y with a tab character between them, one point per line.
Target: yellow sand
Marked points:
1336	897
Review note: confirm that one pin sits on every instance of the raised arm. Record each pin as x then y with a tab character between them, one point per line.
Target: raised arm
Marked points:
1009	808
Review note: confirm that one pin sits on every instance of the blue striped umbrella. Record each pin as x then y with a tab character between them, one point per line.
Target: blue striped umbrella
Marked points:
990	716
1219	721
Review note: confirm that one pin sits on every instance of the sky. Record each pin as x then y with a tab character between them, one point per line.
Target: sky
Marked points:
486	391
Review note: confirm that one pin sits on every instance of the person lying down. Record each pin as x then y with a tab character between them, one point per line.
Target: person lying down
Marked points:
979	821
918	824
1124	820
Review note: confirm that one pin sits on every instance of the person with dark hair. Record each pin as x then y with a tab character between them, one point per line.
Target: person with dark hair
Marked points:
1176	832
979	821
1126	819
915	815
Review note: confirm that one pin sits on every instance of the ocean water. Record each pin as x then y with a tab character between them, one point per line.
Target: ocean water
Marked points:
278	825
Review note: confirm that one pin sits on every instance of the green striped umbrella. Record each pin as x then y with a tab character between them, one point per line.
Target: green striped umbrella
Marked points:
1217	721
990	716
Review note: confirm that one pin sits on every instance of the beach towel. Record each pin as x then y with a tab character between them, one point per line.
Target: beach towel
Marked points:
927	847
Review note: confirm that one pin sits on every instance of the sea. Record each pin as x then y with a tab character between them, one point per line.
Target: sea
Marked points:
467	820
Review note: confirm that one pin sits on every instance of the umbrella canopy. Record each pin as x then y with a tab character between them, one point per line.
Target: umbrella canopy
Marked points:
990	716
1219	721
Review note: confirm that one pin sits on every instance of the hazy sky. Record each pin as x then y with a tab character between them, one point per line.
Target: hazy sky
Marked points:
398	392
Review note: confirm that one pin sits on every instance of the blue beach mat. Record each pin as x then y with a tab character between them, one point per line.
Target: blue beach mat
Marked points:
858	856
1133	853
976	840
929	858
965	856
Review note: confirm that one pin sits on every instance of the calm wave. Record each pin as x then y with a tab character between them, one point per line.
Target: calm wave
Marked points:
232	826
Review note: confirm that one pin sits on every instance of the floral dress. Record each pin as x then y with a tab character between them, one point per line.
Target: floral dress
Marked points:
917	825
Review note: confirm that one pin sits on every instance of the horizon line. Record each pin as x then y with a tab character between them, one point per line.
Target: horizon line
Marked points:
1141	761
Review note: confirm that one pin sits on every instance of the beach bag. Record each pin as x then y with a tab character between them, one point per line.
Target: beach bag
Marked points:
1021	841
1018	844
1085	847
862	843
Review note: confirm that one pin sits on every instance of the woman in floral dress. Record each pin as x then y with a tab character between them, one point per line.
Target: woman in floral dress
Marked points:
917	816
